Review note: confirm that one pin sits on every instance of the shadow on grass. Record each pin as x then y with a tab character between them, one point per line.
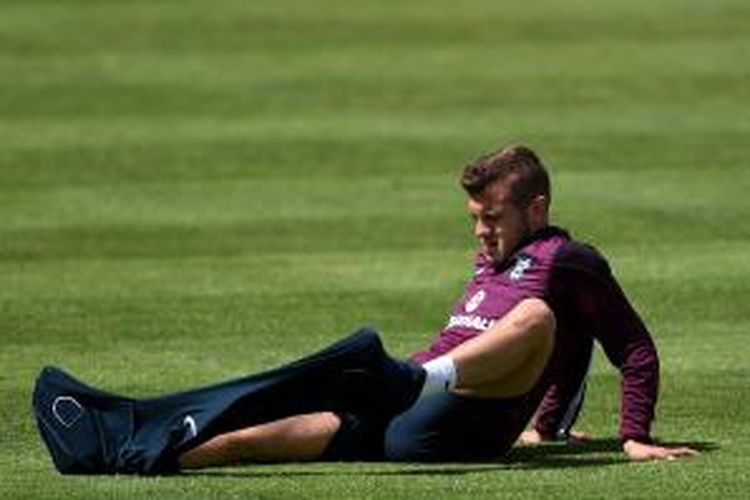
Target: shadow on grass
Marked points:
594	453
589	453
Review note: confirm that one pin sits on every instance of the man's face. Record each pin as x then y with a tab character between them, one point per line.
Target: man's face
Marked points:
499	225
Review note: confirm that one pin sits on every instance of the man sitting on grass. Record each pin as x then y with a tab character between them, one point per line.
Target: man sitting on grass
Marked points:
523	329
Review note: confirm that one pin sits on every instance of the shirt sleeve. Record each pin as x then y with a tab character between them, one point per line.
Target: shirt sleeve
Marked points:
595	304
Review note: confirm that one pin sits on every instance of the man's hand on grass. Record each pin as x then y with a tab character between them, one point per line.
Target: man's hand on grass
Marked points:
643	451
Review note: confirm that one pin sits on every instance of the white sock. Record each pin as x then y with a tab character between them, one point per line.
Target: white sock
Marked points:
441	376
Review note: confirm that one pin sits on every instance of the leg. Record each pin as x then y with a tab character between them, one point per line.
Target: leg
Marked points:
89	431
508	359
503	362
286	419
487	411
320	436
448	427
297	438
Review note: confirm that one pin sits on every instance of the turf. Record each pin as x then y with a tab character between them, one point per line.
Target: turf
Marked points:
193	190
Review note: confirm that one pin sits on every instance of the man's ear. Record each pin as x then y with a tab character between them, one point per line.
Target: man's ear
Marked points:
538	211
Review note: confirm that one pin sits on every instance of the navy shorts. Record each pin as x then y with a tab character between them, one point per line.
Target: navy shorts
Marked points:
442	427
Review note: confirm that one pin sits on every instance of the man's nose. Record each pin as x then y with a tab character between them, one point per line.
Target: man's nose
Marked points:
480	228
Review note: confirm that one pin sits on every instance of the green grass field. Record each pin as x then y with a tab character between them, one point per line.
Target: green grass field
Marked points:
193	190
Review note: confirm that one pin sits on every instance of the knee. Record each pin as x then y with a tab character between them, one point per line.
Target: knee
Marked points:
537	320
538	316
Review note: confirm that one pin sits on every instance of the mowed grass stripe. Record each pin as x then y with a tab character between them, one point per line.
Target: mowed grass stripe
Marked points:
680	156
124	82
236	216
355	123
149	24
216	202
721	266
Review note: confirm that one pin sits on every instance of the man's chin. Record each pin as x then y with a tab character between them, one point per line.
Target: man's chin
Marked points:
496	257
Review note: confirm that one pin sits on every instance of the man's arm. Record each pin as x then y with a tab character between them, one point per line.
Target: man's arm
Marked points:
588	290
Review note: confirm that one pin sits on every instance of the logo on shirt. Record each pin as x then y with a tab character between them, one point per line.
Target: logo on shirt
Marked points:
474	301
523	263
478	323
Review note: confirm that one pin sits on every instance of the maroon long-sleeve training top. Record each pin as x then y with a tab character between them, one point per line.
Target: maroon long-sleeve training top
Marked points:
577	283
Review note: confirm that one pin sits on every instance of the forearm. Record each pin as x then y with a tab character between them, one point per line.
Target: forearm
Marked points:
640	387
